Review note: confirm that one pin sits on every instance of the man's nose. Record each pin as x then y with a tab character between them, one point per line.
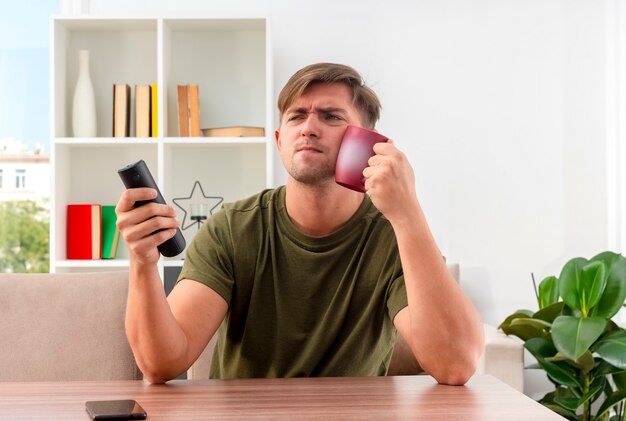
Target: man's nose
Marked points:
310	126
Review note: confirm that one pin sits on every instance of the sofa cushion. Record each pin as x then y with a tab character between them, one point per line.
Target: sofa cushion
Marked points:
64	327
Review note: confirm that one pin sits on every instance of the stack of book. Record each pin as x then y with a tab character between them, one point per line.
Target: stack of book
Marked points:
92	232
146	110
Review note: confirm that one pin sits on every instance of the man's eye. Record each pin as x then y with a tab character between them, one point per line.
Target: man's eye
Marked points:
295	117
332	117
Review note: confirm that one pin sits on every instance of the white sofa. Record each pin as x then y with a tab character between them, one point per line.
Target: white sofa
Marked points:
71	327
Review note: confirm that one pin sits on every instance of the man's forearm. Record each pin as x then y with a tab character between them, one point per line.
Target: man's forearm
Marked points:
445	328
157	340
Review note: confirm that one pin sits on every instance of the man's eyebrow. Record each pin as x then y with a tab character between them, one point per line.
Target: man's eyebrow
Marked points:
326	110
332	110
299	110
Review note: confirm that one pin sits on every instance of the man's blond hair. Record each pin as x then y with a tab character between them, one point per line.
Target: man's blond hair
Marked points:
363	97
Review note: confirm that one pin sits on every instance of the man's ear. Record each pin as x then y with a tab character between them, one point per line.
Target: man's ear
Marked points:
277	139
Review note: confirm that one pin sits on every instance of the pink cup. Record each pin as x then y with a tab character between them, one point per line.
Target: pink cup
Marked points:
356	149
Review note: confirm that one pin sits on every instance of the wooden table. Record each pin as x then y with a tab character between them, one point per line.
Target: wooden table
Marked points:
358	398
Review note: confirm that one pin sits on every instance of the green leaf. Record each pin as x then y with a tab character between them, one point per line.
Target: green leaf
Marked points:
603	369
612	348
548	402
615	292
585	362
519	314
550	313
620	380
559	372
569	415
597	388
594	276
611	326
609	402
569	282
582	283
573	336
548	291
527	328
566	399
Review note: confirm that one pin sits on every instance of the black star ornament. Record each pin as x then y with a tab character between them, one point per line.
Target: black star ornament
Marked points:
184	203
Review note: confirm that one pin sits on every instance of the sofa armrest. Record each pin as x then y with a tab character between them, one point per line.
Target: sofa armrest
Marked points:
503	358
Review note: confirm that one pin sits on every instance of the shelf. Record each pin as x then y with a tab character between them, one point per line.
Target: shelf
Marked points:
105	141
112	263
119	141
232	89
120	51
228	57
222	141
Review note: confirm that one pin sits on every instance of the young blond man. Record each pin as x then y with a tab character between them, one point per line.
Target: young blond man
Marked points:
308	279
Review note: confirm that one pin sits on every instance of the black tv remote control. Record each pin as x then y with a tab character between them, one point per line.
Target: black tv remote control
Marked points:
138	175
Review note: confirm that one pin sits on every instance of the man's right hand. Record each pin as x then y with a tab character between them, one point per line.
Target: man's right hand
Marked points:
138	225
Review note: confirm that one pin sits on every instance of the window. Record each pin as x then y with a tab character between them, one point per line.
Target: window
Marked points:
20	179
24	37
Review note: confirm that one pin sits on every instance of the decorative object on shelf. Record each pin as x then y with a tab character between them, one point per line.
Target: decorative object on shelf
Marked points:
199	213
84	123
198	204
575	339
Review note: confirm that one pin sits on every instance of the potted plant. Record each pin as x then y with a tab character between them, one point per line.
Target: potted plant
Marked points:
574	340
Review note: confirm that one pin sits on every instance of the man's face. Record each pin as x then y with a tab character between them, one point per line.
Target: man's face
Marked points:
311	130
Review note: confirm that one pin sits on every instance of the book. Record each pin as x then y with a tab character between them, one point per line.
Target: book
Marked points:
188	110
121	110
154	111
234	131
84	231
110	233
183	110
194	110
142	111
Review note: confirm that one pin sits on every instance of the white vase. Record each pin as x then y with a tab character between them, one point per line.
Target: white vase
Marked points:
84	106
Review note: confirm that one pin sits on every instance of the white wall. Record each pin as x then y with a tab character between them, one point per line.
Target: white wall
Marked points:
500	106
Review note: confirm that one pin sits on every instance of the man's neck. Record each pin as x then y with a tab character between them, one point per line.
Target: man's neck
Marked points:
317	211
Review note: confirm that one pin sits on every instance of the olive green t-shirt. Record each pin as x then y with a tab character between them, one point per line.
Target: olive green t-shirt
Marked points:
299	305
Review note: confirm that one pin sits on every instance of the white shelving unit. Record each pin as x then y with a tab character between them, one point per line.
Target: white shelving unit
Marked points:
230	60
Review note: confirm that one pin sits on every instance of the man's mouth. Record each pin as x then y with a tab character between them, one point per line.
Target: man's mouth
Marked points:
307	148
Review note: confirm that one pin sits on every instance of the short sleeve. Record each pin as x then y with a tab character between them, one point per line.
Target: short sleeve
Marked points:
396	296
208	259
